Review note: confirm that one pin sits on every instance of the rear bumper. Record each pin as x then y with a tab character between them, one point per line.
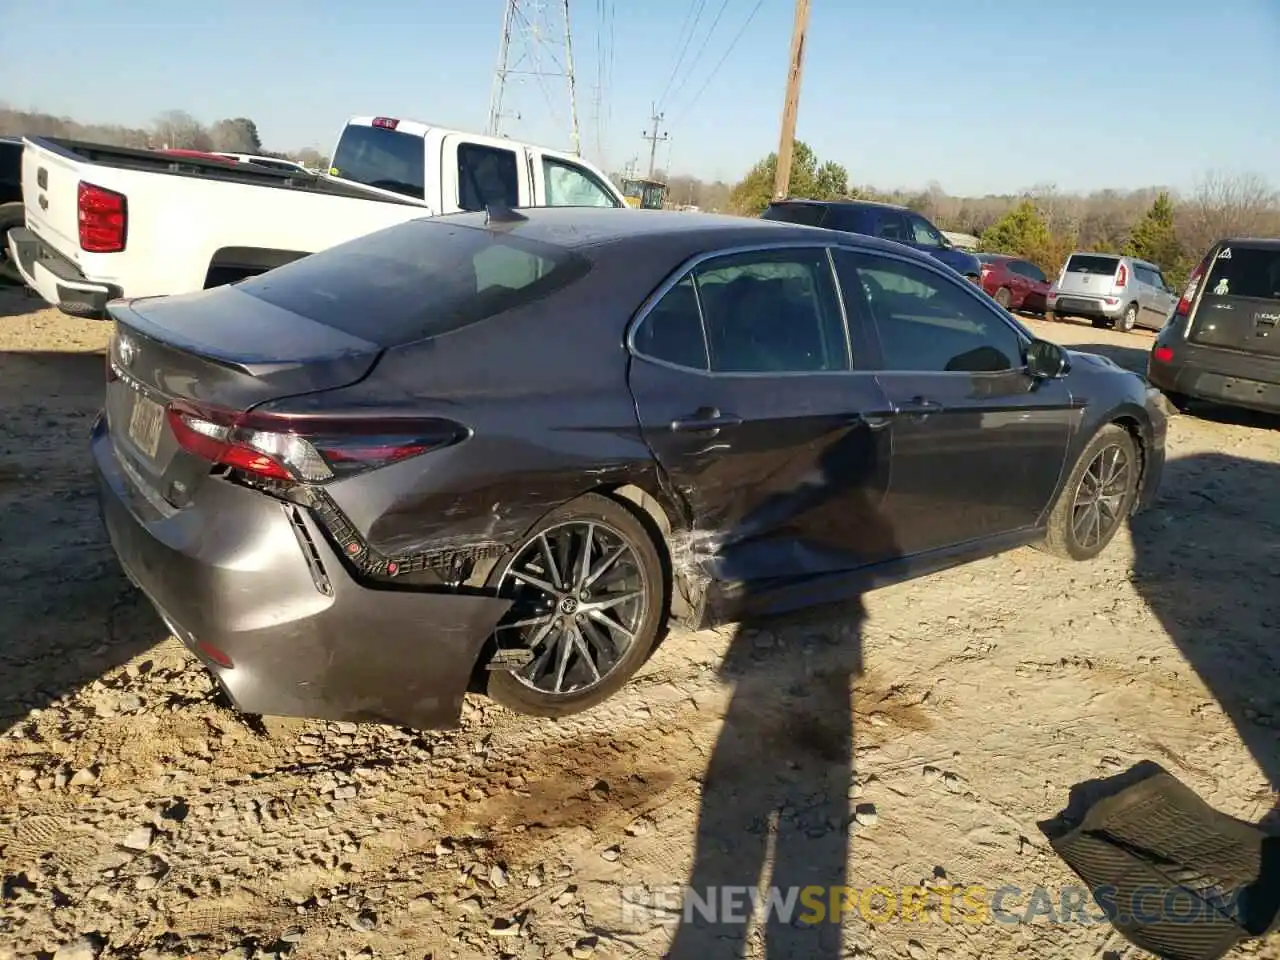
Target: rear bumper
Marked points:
252	587
1220	376
57	279
1070	305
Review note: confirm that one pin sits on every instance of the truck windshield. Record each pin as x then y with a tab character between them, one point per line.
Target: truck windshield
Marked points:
382	158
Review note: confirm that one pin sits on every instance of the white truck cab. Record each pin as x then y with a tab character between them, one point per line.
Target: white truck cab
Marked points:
449	171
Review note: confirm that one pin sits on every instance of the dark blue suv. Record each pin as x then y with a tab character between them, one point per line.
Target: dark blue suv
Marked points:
878	220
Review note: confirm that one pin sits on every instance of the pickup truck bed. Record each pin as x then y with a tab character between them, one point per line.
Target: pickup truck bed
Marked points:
165	221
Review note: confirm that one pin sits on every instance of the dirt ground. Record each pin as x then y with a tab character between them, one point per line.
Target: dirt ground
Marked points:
141	818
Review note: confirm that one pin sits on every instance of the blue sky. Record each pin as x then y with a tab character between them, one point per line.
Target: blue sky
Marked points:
979	95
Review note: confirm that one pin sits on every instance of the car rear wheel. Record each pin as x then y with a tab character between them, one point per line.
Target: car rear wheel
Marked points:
589	598
1004	297
1130	318
1096	498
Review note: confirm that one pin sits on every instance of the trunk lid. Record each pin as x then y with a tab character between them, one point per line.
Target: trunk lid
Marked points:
1089	274
1240	306
50	189
216	348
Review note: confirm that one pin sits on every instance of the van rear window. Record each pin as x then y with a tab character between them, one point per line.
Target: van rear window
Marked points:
1245	273
417	280
1094	265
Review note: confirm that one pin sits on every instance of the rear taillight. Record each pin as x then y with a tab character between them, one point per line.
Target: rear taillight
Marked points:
104	219
304	450
1189	291
1162	354
1122	276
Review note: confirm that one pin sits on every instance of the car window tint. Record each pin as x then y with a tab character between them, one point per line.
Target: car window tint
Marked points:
568	185
417	279
382	158
925	321
772	312
672	330
1093	265
487	176
809	214
891	226
1242	272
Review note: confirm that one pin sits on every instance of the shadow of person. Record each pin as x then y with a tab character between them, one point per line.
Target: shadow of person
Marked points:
776	790
1207	563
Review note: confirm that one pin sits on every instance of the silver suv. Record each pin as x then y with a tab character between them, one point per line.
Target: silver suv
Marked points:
1112	291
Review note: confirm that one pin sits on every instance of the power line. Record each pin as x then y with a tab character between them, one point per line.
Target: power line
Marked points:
684	48
697	57
716	69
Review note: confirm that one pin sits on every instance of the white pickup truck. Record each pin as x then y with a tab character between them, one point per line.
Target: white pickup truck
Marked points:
106	222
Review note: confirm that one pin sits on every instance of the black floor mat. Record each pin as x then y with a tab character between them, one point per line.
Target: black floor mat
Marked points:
1175	877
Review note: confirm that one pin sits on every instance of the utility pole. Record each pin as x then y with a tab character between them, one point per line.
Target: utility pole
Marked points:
791	105
537	44
654	139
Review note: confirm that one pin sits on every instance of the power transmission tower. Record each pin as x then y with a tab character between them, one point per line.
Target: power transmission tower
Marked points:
654	139
537	46
791	105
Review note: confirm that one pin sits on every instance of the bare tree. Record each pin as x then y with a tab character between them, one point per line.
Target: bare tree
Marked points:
1224	205
179	130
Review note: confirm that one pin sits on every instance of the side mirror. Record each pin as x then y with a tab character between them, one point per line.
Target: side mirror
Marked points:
1047	361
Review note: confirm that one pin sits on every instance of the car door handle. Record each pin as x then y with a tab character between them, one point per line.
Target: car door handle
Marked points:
706	418
919	407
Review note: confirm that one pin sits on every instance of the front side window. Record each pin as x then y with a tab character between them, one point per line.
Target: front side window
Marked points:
925	321
892	225
923	233
487	176
568	185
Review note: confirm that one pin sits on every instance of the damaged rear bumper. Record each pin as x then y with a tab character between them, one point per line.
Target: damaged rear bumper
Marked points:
253	588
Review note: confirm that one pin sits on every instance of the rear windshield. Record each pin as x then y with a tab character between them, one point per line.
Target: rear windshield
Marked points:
1245	273
378	157
808	214
417	280
1086	263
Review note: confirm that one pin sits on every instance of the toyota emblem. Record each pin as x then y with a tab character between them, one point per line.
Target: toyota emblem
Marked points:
126	351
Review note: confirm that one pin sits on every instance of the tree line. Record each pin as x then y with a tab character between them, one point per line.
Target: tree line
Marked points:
171	130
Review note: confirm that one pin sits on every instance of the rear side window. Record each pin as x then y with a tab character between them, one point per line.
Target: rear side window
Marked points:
417	280
1028	270
487	176
891	225
382	158
1241	272
1091	264
808	214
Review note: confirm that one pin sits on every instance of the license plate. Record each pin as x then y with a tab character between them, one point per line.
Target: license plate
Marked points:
145	423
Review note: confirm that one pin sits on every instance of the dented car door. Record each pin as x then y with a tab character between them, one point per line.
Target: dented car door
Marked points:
775	444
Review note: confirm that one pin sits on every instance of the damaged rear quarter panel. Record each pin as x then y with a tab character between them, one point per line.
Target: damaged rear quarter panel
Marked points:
543	392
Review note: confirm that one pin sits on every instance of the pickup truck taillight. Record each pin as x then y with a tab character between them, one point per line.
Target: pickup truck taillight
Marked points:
104	219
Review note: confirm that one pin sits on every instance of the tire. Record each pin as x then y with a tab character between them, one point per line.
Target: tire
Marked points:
1004	298
1050	317
529	689
11	215
1130	319
1063	537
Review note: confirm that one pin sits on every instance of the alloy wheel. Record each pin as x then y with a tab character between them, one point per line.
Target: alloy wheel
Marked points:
1100	497
580	596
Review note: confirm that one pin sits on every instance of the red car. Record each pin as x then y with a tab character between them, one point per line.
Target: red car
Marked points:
1016	284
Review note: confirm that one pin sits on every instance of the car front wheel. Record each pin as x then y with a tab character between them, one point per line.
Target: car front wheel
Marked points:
589	598
1096	498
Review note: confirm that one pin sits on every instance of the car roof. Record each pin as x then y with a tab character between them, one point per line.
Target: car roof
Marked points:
581	228
847	202
998	256
1262	243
